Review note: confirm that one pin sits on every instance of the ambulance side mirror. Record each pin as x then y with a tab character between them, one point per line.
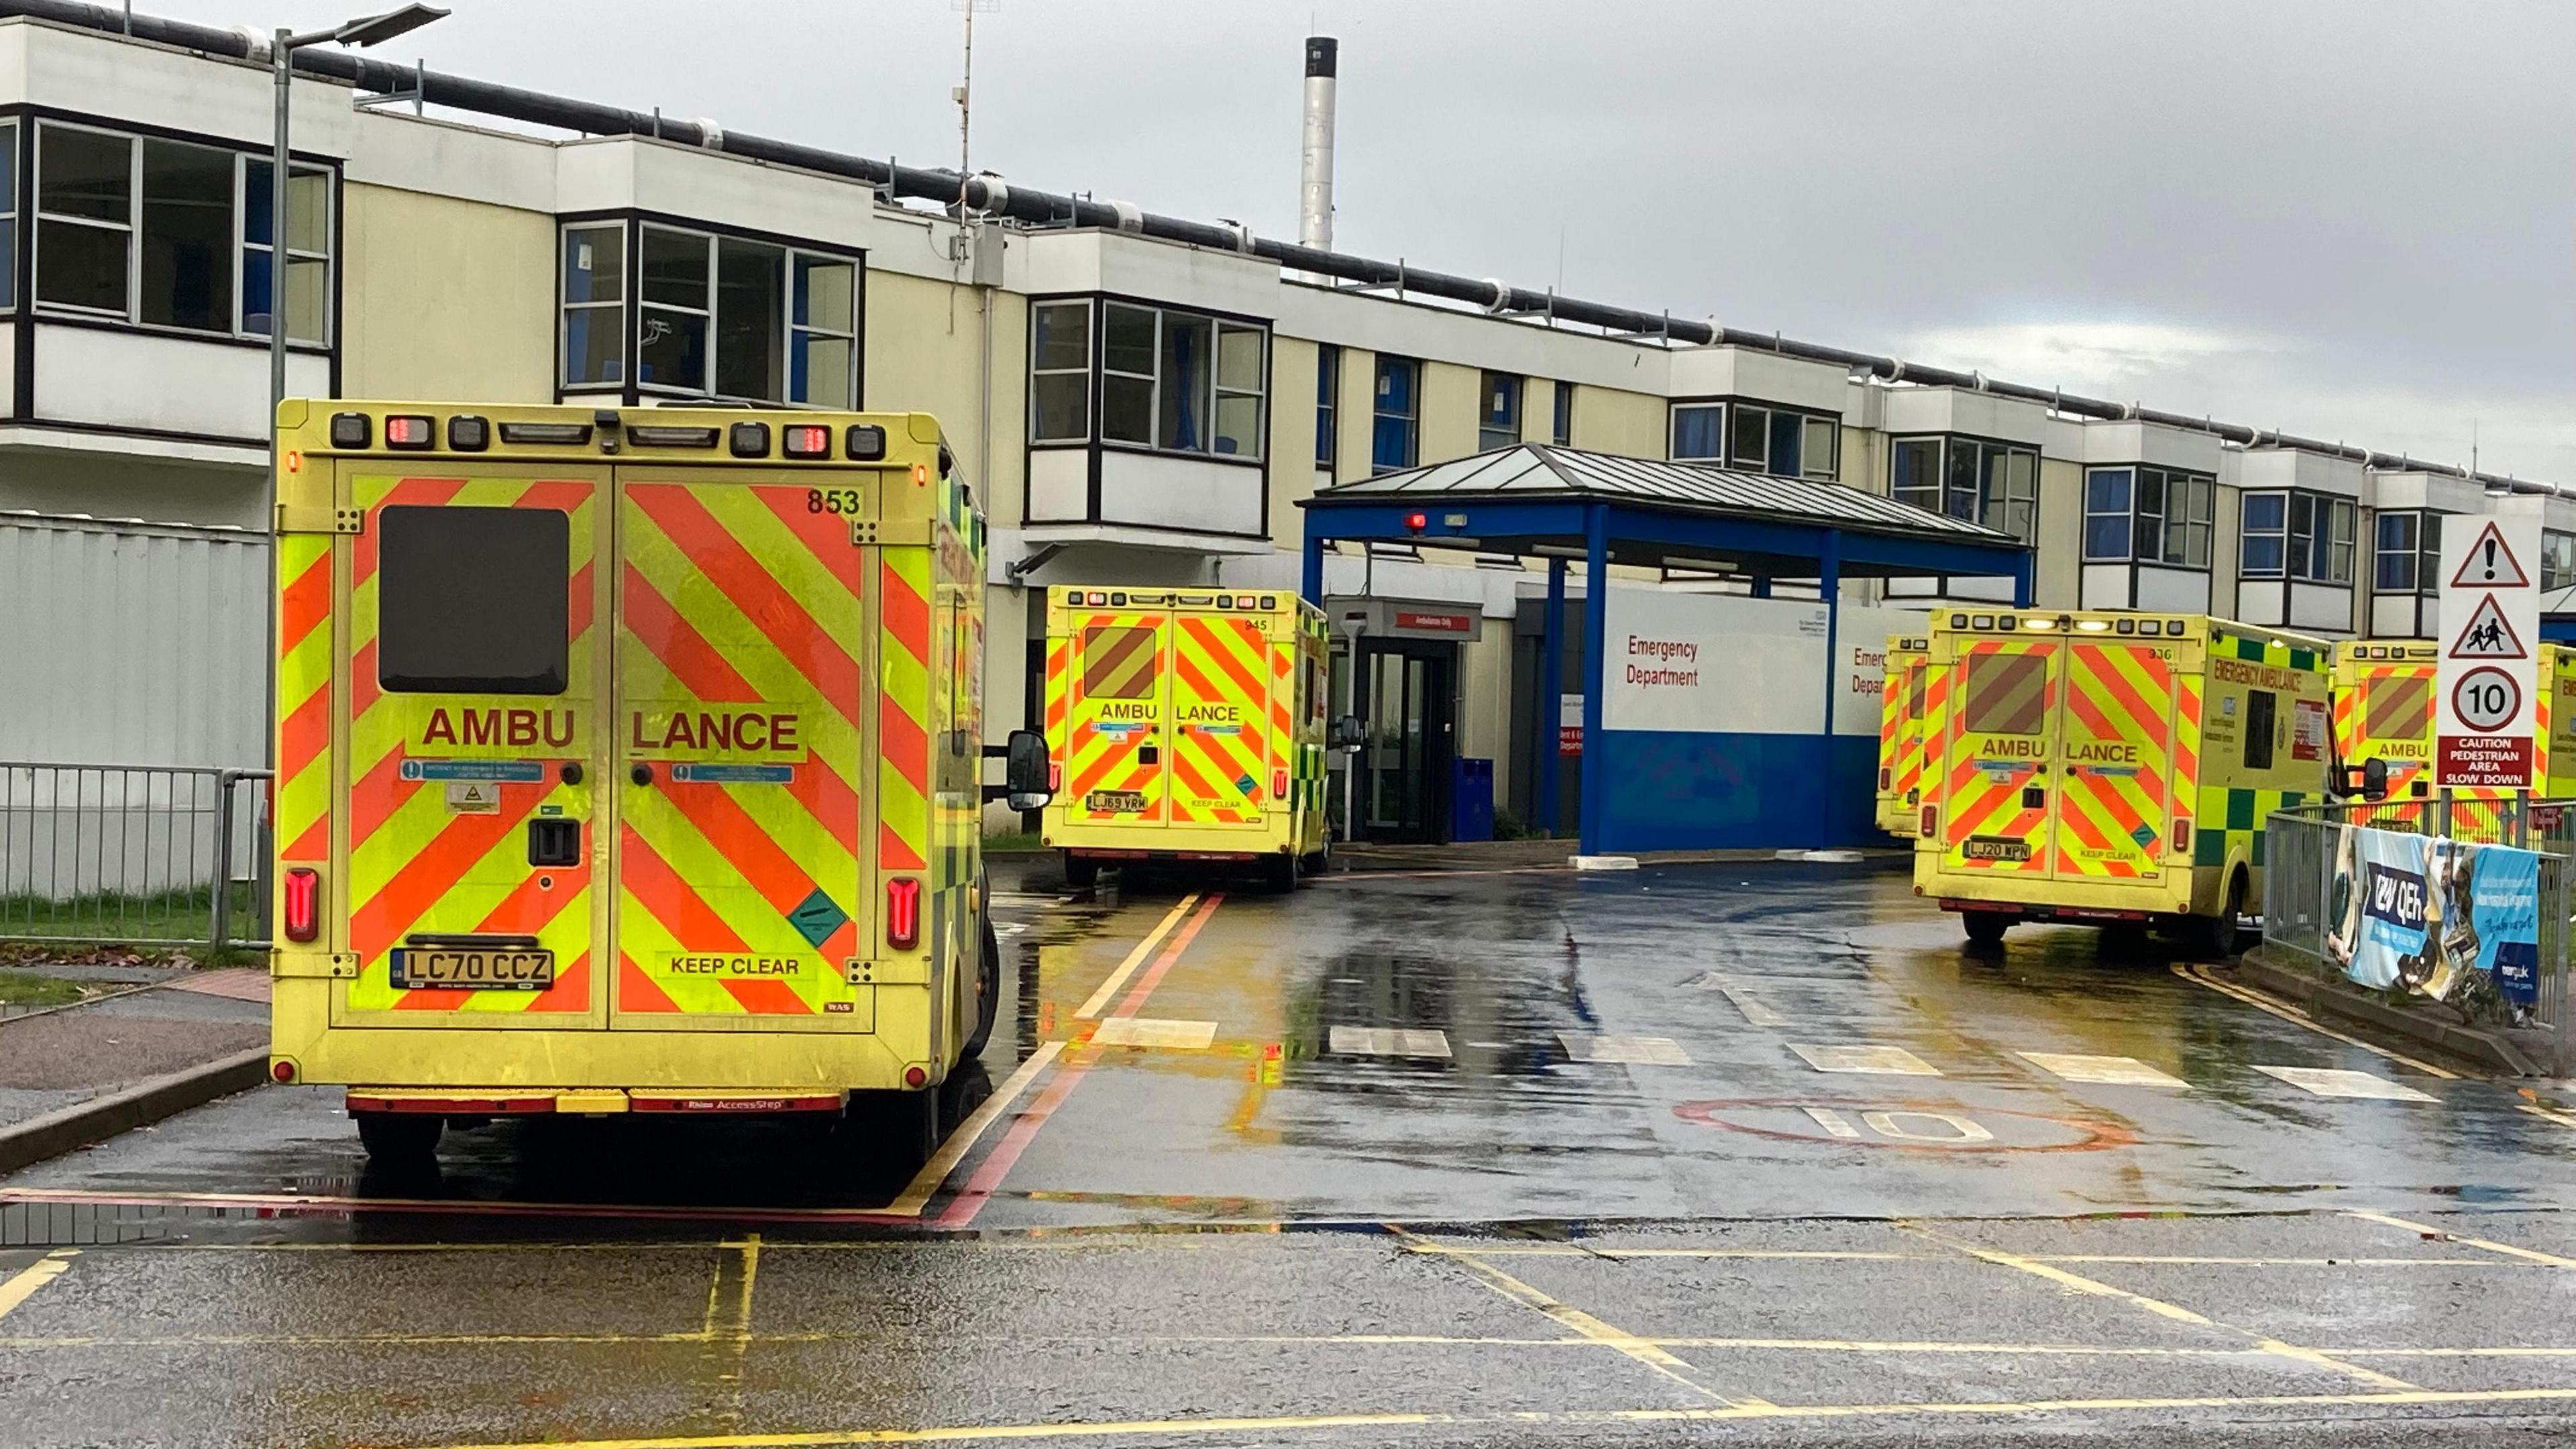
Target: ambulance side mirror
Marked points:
2374	779
1347	733
1028	774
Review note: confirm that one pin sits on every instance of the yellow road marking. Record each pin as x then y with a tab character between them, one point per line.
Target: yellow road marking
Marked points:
2260	1002
728	1323
916	1196
2536	1110
1099	1000
2158	1306
23	1284
1316	1423
1567	1316
2509	1250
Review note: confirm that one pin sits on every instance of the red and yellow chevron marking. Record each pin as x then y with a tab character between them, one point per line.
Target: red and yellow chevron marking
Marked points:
303	791
1221	706
737	602
415	866
2385	695
903	710
1107	698
2112	799
1900	742
2007	690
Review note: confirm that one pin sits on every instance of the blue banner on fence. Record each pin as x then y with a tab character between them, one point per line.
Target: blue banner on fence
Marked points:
2406	910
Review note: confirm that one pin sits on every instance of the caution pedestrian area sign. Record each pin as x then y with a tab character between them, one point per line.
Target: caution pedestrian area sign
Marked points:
2490	612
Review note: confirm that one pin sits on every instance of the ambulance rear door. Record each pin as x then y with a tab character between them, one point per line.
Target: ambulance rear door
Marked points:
475	744
1222	677
2396	723
1996	756
2114	797
1117	696
747	744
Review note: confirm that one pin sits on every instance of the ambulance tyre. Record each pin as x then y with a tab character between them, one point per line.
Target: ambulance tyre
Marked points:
2216	935
1985	928
1080	871
891	1133
988	995
400	1139
1280	872
1320	862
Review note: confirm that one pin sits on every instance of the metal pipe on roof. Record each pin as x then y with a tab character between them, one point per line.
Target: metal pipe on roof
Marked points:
990	196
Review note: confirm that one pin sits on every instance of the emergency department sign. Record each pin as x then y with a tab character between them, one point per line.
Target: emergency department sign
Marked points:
2490	614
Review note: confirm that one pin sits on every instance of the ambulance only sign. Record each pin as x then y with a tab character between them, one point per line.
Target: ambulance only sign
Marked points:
2490	610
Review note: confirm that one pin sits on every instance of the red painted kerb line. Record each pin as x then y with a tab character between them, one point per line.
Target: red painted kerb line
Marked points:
979	1189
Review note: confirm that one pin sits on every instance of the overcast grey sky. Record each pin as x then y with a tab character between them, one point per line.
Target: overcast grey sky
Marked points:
2351	220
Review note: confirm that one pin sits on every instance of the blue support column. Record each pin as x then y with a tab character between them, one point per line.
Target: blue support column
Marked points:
1596	648
1761	586
1313	583
2023	590
1829	584
1551	689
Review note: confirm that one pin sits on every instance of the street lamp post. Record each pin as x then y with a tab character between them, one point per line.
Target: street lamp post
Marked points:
366	30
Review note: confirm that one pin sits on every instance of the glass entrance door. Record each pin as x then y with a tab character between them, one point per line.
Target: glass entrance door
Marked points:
1404	703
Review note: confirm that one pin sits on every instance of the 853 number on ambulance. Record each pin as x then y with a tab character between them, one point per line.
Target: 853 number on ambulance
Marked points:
630	763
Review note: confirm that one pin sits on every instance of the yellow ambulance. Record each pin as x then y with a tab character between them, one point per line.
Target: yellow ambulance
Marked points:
2112	768
2383	710
629	761
1900	735
1186	725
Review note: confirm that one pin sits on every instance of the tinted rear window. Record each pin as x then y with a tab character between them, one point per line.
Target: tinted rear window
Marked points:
2396	708
473	600
2007	694
1119	663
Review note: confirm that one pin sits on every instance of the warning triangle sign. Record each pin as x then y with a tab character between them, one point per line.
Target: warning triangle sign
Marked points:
2490	564
2488	636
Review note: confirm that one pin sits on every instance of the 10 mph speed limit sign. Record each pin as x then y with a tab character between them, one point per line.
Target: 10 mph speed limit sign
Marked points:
2490	615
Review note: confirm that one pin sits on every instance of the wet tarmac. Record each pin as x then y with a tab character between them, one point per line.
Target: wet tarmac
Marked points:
1742	1153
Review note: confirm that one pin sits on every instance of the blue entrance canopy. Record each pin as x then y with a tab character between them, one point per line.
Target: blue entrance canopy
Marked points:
1536	500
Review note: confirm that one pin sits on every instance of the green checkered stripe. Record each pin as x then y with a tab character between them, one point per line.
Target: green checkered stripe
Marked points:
2244	812
2259	651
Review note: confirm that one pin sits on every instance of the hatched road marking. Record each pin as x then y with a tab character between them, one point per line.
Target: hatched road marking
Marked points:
1390	1041
1147	1031
1643	1051
953	1151
23	1285
2108	1071
2338	1082
1885	1061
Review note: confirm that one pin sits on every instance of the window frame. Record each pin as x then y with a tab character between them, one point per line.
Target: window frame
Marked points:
1212	391
2161	536
2422	551
1673	432
2560	574
29	219
1561	425
1734	413
1977	490
11	212
1411	418
1085	369
1328	415
631	227
1498	427
2320	552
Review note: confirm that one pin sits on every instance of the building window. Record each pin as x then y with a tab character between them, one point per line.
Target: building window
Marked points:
170	234
2107	499
1395	440
2295	534
1699	433
1563	428
716	316
1060	372
8	216
2394	571
594	302
1328	386
1500	426
2169	516
1995	484
1127	374
308	250
1241	372
2557	558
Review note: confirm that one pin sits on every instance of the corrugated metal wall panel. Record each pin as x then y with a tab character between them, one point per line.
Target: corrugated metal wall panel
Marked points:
131	643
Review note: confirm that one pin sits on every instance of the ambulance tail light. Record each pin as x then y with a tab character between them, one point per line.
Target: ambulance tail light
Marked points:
1278	784
1886	778
1930	824
903	912
410	432
806	440
303	903
1055	776
2182	837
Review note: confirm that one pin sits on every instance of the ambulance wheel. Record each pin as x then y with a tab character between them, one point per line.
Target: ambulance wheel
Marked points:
1985	928
988	995
1280	871
1080	871
1320	862
400	1139
892	1133
2216	935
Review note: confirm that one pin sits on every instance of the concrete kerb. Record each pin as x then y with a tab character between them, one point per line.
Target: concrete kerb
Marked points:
127	1108
2278	974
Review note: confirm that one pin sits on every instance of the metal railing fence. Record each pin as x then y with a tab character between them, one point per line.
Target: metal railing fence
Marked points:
2300	880
133	854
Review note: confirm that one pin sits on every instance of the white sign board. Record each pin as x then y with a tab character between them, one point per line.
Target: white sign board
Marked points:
2486	708
1727	664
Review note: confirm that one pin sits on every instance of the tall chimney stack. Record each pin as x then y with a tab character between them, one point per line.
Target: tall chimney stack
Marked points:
1315	182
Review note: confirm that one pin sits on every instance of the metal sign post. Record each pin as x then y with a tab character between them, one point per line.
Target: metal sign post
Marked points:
2487	686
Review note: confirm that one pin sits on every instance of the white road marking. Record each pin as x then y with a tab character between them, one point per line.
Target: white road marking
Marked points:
2109	1071
1641	1051
953	1151
1885	1061
1833	1122
1389	1041
1147	1031
1962	1129
1755	1013
2336	1082
1008	928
